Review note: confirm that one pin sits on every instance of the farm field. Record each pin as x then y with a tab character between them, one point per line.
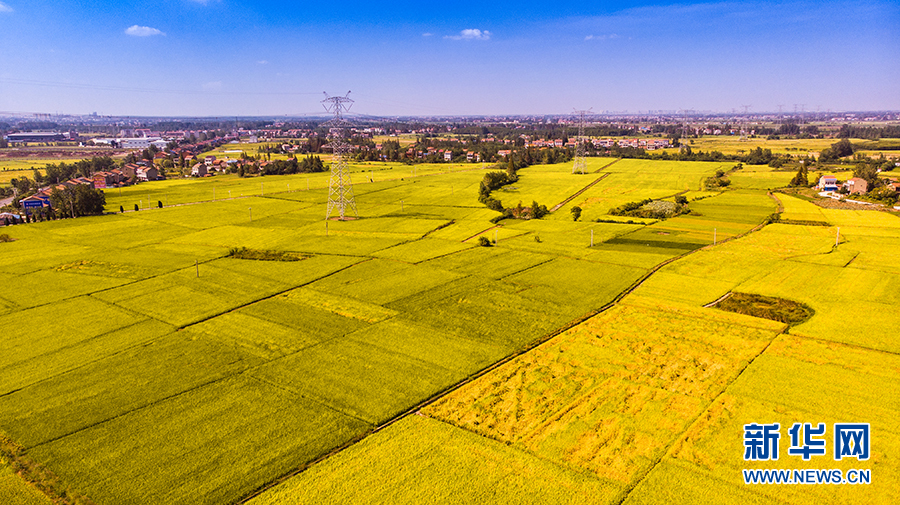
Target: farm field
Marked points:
734	145
22	170
159	368
647	400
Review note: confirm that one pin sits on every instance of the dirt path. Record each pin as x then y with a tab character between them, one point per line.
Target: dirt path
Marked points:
582	190
604	176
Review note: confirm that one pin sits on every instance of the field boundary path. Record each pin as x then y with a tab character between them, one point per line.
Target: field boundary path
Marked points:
720	299
604	176
580	191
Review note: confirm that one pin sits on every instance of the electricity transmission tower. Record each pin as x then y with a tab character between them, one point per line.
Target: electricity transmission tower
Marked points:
684	122
745	119
340	189
579	143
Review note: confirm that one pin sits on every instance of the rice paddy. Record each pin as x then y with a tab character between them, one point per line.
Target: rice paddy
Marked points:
145	362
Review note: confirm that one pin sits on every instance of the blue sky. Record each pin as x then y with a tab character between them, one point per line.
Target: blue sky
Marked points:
232	57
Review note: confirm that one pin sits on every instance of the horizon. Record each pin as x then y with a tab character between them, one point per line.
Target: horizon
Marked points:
227	58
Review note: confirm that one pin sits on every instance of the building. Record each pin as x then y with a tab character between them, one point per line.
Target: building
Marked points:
857	186
827	183
142	142
199	170
147	173
36	137
36	201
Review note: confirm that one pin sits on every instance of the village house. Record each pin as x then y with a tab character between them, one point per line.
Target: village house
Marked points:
103	180
130	169
199	170
827	183
856	186
147	173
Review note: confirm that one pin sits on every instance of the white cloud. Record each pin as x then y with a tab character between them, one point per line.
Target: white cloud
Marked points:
263	62
5	8
212	86
471	34
602	37
426	34
142	31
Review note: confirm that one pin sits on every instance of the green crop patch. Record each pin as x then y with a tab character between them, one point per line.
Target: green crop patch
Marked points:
572	239
236	433
84	318
358	379
182	297
637	241
381	281
340	305
306	320
104	269
214	214
195	293
421	250
50	286
432	345
557	279
228	236
420	460
317	240
488	262
31	253
486	311
115	385
408	227
254	335
116	231
43	356
766	307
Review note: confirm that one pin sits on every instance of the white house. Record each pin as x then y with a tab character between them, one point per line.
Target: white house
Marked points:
828	183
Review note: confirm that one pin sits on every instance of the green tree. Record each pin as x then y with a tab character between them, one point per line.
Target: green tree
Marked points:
801	179
576	213
842	148
869	174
